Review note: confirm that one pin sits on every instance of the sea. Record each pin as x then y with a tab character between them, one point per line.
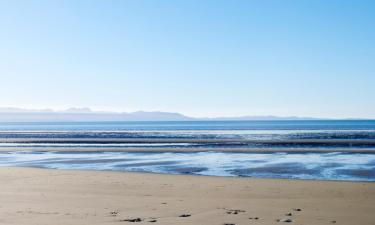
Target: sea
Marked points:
322	149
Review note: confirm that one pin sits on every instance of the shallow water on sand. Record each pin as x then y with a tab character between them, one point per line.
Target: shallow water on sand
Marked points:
320	166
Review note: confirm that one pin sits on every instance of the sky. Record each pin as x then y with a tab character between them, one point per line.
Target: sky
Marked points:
200	58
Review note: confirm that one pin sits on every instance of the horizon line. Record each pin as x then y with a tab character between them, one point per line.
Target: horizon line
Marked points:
176	116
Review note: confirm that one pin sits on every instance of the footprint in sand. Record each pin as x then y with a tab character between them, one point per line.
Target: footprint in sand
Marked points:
135	220
235	211
284	220
113	213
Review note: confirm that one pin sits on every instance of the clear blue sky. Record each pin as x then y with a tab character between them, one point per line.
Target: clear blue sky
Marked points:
200	58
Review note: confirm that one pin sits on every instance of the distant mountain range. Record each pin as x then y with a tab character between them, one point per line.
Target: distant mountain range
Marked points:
86	114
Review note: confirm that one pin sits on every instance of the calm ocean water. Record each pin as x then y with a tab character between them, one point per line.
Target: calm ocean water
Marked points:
281	125
45	138
360	130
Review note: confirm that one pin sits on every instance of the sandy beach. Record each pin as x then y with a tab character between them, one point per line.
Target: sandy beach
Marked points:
44	196
187	112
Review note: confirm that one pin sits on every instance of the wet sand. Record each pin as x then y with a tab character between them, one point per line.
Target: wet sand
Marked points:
43	196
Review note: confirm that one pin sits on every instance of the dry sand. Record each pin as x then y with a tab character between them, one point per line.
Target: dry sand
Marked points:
43	196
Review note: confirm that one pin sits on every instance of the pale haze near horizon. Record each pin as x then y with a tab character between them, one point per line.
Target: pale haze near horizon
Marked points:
199	58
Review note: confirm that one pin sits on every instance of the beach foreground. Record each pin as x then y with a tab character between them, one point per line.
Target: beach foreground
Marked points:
44	196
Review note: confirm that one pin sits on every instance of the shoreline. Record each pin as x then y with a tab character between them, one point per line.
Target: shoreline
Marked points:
72	197
192	175
314	166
